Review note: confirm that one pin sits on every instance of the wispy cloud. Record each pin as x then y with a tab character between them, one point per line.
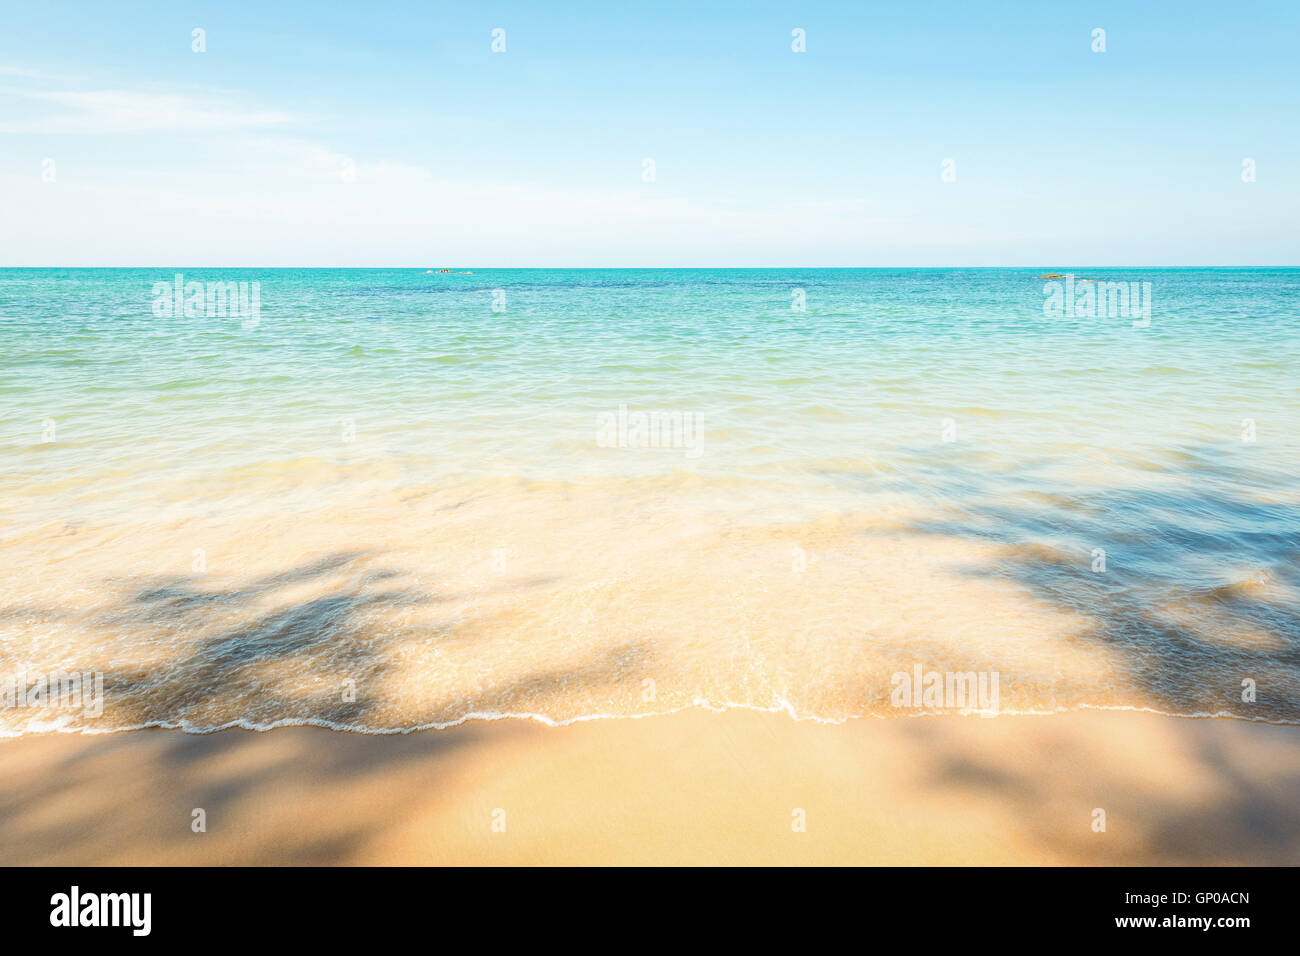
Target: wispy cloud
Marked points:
25	73
105	112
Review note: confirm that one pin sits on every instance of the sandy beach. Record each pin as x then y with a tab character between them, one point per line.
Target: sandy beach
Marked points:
689	788
468	605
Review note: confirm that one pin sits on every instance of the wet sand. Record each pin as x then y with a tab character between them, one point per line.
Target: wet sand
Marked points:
689	788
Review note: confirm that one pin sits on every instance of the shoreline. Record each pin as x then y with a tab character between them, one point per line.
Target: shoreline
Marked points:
693	787
701	706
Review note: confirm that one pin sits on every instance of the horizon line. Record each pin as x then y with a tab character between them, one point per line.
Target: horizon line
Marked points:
453	269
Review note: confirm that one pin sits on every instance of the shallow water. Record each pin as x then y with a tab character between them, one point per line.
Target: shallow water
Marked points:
385	505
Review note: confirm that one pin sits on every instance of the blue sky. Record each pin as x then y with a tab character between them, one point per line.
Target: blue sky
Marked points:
390	134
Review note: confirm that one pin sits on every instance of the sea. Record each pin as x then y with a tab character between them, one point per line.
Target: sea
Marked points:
382	500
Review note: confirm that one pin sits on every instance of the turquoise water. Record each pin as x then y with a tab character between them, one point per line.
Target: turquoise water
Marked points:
871	367
945	398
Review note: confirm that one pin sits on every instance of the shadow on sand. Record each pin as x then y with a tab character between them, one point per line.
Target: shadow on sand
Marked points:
1201	590
283	665
1219	542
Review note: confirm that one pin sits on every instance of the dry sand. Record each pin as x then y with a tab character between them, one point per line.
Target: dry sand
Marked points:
689	788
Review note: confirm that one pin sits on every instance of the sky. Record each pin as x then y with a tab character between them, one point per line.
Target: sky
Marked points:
649	134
